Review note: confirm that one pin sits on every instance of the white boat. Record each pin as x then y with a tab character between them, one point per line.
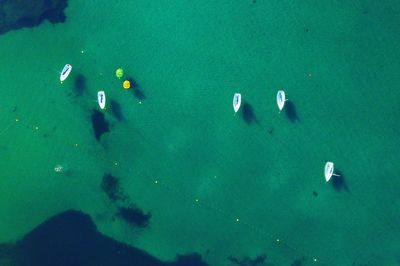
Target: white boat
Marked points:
101	98
280	99
237	100
65	72
329	168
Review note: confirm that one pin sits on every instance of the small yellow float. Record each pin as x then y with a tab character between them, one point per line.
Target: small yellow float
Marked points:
126	84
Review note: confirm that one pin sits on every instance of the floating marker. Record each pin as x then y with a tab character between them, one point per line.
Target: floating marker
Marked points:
119	73
126	84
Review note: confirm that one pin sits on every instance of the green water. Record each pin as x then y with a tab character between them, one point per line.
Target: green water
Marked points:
338	64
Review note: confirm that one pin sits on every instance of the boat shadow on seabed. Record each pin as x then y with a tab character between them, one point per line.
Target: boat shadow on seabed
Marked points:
80	86
248	114
136	90
290	111
339	183
116	110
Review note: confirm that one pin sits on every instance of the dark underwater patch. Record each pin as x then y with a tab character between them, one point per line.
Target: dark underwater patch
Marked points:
80	85
134	216
137	92
248	114
247	261
99	123
189	260
71	238
7	253
111	186
28	13
338	182
290	111
116	110
298	262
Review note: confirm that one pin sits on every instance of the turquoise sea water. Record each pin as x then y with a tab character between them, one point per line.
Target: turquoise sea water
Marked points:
254	173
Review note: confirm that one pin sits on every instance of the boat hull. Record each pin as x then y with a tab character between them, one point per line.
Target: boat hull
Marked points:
329	167
65	72
280	99
237	101
101	98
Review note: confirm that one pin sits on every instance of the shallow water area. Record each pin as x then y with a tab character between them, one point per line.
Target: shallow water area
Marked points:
221	184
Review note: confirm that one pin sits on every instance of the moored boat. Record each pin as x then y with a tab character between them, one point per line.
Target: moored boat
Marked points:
101	98
280	99
65	72
237	100
329	167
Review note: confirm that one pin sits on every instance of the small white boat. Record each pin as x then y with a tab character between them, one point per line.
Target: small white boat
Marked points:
65	72
101	98
237	100
280	99
329	168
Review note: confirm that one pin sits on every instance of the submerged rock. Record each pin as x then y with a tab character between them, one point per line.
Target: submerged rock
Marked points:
111	186
134	216
298	262
30	13
247	261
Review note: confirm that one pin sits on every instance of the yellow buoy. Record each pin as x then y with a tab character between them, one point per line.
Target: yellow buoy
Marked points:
126	84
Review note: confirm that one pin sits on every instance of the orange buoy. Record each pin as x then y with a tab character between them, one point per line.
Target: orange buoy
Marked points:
126	84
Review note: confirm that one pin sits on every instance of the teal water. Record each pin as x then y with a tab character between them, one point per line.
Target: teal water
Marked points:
338	63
